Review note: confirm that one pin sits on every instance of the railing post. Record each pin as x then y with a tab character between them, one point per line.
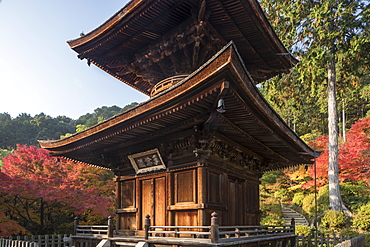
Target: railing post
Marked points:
46	240
293	241
110	227
75	226
215	234
147	226
292	223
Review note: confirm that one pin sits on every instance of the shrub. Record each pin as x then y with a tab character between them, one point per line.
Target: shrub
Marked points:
355	194
271	212
271	220
333	220
308	204
271	207
282	194
349	232
298	199
367	237
302	230
362	219
323	198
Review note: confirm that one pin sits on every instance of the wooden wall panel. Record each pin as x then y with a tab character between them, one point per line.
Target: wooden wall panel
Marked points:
127	194
214	195
186	218
185	187
252	193
127	221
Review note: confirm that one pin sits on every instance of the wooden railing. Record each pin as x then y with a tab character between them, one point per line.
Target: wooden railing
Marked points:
217	233
36	241
17	243
253	231
94	230
321	240
179	231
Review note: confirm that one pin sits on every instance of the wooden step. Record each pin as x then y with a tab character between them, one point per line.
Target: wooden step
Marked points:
125	244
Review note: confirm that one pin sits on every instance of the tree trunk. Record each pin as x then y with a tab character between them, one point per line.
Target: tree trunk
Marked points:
335	198
343	122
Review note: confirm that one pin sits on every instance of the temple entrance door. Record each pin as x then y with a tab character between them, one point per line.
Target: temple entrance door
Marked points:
153	201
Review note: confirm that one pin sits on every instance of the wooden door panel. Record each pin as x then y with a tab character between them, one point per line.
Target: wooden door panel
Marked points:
153	200
232	201
147	199
160	202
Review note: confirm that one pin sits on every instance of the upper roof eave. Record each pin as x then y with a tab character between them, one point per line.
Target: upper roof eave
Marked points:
270	30
104	32
141	110
107	25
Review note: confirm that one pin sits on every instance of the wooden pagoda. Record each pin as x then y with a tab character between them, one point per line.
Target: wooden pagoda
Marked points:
205	136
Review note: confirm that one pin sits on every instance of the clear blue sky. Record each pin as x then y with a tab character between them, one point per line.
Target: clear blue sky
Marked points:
38	70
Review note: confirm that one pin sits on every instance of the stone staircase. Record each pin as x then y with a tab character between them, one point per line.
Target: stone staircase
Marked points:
289	213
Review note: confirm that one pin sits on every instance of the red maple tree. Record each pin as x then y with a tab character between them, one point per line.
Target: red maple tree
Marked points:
41	192
354	156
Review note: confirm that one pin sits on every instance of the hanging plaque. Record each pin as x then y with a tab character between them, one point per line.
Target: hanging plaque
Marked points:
147	161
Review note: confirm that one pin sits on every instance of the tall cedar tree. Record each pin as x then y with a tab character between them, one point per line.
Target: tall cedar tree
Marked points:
43	194
332	39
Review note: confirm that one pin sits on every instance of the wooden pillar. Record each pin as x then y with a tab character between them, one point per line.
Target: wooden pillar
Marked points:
118	202
139	220
214	228
75	225
202	189
171	198
110	227
147	226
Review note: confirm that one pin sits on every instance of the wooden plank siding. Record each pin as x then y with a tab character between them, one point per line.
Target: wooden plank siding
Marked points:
179	198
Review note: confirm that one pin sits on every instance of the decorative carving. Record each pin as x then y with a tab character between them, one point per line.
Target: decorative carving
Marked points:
179	52
253	164
234	155
271	166
124	161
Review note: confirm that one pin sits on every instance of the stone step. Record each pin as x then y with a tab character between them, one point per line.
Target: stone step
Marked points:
289	213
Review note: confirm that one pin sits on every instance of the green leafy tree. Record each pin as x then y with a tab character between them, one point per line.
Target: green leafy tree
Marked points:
52	128
6	133
26	130
332	40
101	114
3	153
